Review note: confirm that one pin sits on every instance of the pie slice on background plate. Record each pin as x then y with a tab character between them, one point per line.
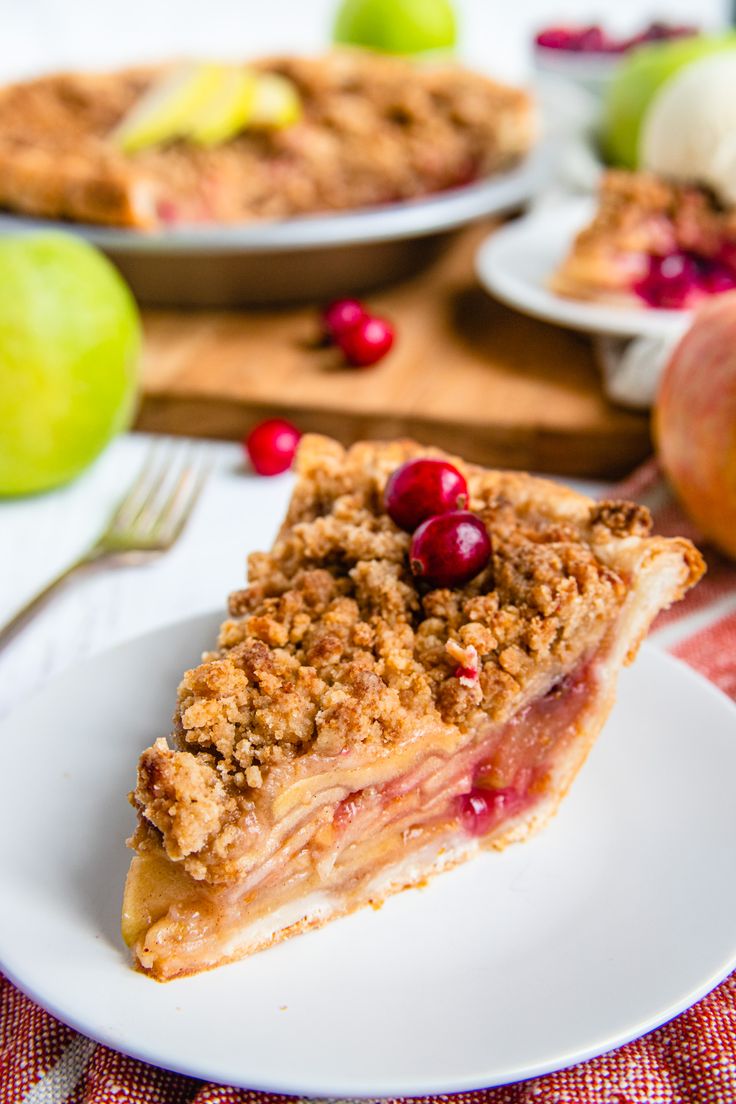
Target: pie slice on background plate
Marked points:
653	242
357	730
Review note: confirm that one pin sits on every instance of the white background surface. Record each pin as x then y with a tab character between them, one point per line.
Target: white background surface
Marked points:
42	34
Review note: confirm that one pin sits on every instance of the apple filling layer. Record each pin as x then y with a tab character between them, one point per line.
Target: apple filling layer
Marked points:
444	803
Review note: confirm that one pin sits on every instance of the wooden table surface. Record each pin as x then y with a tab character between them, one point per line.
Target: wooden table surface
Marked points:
466	373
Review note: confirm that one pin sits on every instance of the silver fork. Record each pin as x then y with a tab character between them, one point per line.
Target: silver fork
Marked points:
145	524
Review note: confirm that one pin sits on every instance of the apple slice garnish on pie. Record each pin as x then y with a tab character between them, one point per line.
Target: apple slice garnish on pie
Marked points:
651	242
358	729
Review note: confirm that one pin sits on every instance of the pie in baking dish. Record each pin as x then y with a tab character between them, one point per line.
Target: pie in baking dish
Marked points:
653	242
357	730
371	130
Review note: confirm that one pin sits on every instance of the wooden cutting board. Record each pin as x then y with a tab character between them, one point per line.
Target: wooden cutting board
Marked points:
466	373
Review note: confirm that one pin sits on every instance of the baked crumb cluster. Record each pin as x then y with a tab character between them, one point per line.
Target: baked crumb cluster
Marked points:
334	646
374	129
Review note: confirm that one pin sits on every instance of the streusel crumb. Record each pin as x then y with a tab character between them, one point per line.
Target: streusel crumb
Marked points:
640	214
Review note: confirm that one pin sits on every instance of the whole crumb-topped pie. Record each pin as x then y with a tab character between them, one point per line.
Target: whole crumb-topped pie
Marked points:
652	241
358	728
369	130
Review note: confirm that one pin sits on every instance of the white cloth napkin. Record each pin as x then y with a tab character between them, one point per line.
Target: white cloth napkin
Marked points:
632	366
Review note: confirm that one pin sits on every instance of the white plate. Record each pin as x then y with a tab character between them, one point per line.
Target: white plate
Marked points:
515	263
613	920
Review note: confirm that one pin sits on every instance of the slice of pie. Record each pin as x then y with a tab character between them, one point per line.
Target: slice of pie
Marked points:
372	130
652	242
357	731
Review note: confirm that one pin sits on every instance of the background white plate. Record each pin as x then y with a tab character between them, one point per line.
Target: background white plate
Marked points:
609	923
515	263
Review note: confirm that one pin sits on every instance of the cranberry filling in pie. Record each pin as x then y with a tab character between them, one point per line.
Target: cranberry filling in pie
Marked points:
360	728
680	280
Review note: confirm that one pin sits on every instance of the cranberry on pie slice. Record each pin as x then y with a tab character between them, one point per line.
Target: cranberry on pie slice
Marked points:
358	729
652	242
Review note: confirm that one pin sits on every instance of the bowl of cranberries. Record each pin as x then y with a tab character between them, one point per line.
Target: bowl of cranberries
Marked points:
588	55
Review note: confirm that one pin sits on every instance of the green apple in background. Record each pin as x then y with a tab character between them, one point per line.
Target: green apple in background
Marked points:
397	26
70	340
637	80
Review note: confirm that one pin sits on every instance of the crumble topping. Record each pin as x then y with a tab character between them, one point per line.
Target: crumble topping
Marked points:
625	519
649	213
374	130
334	646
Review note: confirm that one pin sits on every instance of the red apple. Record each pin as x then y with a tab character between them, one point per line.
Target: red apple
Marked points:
695	421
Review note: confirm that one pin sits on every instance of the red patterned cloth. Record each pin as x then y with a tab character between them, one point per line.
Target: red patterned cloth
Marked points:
691	1060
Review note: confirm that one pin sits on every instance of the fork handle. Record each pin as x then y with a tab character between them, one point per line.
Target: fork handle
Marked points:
10	630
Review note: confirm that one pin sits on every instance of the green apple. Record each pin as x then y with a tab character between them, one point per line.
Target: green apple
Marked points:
70	340
397	26
637	80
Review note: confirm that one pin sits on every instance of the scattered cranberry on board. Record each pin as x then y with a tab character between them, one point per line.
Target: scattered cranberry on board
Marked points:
363	338
271	446
341	316
364	344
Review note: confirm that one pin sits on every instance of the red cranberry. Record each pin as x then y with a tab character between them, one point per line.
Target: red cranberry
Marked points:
366	342
592	40
718	277
271	446
450	549
481	809
670	281
421	488
466	674
556	38
342	315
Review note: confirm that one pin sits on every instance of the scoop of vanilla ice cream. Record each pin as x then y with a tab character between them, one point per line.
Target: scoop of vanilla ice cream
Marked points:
689	132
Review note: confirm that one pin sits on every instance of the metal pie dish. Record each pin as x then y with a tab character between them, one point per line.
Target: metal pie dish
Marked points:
299	259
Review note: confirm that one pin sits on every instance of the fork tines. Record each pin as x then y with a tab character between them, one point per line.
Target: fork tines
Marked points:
158	505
